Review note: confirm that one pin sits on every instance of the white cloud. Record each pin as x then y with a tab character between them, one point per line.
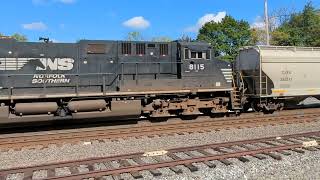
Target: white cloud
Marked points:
38	26
205	19
258	23
138	22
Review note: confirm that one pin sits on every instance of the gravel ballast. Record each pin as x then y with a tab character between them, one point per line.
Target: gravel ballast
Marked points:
296	166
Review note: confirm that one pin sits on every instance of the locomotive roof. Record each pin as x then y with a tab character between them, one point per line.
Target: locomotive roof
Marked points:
184	43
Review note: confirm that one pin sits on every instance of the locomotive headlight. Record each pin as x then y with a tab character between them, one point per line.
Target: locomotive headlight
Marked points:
151	53
10	52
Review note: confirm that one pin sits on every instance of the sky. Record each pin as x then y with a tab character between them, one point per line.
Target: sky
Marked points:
72	20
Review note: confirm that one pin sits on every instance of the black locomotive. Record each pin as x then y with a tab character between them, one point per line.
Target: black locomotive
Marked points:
104	79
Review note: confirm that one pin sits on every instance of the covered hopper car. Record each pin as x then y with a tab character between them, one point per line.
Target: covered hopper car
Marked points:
271	76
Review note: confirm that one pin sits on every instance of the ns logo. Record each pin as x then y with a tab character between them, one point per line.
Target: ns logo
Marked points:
63	64
40	64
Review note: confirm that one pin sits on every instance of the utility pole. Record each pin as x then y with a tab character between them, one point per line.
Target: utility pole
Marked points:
266	20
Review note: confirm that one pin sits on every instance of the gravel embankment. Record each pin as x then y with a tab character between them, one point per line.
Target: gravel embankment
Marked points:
292	167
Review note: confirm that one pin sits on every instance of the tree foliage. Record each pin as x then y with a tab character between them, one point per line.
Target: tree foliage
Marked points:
258	36
161	39
134	36
301	29
19	37
227	36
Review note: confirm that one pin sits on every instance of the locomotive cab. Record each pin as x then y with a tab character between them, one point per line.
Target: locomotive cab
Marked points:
197	63
194	57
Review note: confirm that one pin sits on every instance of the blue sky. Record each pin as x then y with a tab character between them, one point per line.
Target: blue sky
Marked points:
71	20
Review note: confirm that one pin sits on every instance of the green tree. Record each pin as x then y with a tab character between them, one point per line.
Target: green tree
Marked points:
258	36
226	36
19	37
134	36
301	29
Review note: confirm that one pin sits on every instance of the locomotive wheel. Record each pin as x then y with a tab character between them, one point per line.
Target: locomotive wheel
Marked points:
268	111
255	107
246	107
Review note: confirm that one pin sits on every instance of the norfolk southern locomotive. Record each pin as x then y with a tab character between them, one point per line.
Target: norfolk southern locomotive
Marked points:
101	79
114	79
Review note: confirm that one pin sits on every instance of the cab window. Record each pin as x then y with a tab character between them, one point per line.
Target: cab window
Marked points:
189	54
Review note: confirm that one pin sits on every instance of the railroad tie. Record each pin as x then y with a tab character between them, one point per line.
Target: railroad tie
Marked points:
286	153
242	159
51	173
270	143
90	167
192	156
28	175
208	163
191	167
74	170
224	161
220	150
125	163
274	156
139	161
173	168
117	177
310	148
298	150
100	178
259	156
284	141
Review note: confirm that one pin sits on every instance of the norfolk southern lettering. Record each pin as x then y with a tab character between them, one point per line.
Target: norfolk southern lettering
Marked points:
50	79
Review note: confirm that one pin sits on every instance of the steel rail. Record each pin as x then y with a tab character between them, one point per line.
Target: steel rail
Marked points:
293	142
30	140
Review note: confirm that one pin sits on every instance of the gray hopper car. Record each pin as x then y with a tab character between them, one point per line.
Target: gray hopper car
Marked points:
105	79
269	76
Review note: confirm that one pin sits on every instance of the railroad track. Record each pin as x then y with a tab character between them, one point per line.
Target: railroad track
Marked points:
138	164
61	137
